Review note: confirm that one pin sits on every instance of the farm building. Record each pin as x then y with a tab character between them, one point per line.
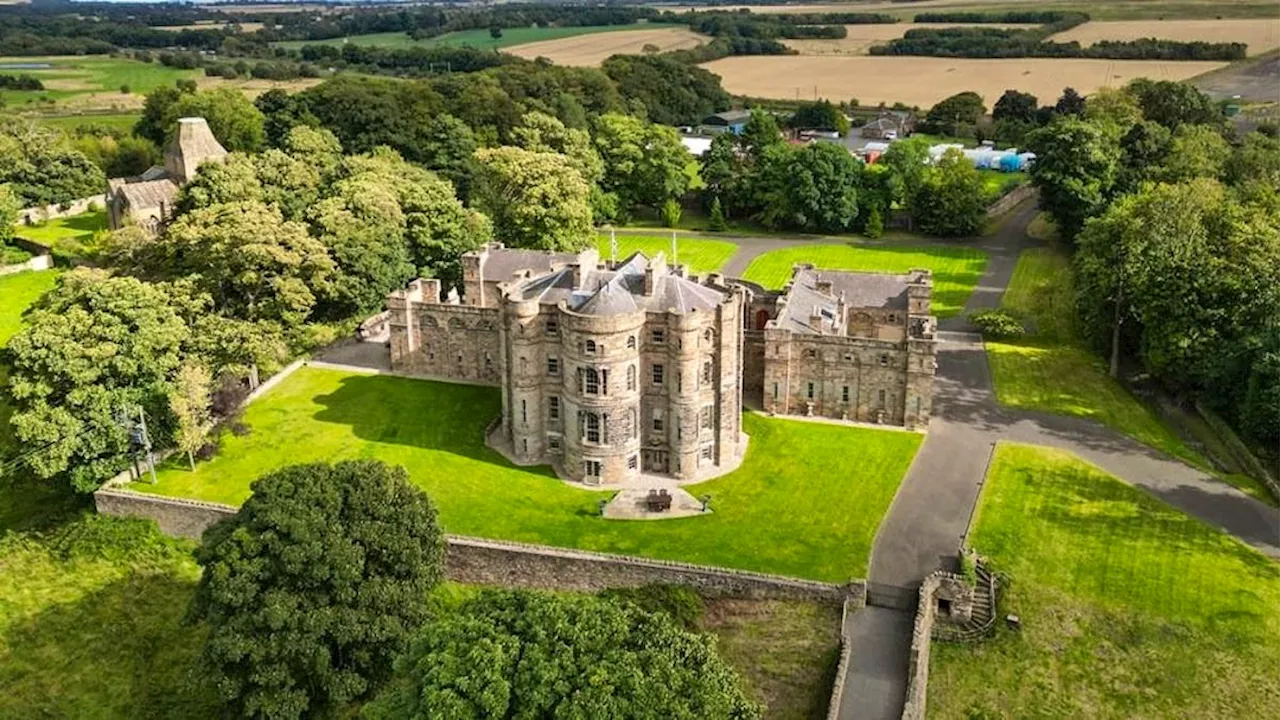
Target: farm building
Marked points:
890	125
730	121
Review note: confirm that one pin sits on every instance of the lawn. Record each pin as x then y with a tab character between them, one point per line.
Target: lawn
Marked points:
73	76
478	38
122	122
17	292
700	256
804	503
956	270
68	237
1050	369
1129	608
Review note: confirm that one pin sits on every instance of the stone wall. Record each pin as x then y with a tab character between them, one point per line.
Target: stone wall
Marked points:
918	656
846	652
36	215
42	261
511	564
1011	199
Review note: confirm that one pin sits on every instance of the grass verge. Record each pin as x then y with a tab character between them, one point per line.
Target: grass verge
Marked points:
700	256
801	504
956	270
1129	607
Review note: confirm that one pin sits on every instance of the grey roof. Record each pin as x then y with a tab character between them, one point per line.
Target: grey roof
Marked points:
859	290
621	290
728	117
149	193
501	265
155	172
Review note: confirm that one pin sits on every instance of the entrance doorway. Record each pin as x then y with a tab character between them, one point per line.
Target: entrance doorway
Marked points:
655	461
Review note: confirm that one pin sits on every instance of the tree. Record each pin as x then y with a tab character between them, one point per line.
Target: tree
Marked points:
1196	151
42	168
1116	106
495	32
9	207
1075	170
717	222
645	164
1014	105
1255	160
760	132
812	188
254	264
508	654
821	115
950	201
1143	151
1070	103
536	200
232	118
875	223
672	92
671	212
314	585
449	148
96	349
189	401
907	161
956	115
1172	103
155	122
281	112
541	132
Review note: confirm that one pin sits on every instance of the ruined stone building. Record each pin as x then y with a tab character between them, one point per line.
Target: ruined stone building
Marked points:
147	200
610	370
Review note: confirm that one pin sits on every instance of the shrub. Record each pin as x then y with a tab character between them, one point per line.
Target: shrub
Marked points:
718	222
997	324
671	212
681	603
875	223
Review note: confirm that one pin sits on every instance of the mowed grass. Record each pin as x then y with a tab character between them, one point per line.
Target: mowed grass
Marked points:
17	293
1129	608
68	237
806	502
1050	369
123	122
700	256
956	270
72	76
478	38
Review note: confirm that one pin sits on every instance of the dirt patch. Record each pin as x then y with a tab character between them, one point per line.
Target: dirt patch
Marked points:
860	38
1260	34
591	50
210	25
925	81
254	88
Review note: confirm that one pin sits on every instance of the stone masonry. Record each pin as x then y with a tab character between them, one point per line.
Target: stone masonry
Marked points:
611	370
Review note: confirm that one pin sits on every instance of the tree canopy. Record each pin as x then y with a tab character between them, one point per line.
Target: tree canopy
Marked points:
314	585
536	199
950	201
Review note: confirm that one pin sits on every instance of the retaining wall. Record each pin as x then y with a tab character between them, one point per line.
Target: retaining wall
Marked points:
511	564
37	262
1011	199
850	607
36	215
918	656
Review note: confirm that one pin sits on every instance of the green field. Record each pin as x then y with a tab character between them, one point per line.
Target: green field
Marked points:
68	237
1050	369
802	504
700	256
91	74
956	270
1129	608
19	291
478	38
122	122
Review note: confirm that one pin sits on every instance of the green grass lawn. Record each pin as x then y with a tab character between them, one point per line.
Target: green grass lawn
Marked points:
81	75
1129	608
993	181
700	256
478	38
17	292
68	237
806	502
123	122
956	270
1050	369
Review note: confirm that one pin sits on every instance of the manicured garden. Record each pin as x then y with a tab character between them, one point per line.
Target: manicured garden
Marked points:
1128	607
956	270
1051	370
806	502
68	237
700	256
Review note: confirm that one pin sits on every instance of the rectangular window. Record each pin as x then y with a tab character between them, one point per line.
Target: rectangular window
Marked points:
657	374
524	411
553	442
708	417
553	407
809	391
632	463
775	391
553	366
844	394
592	384
706	373
657	421
659	336
592	468
592	434
708	451
553	327
881	398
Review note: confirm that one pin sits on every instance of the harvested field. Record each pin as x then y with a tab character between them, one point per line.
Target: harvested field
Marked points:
591	50
1260	34
925	81
860	38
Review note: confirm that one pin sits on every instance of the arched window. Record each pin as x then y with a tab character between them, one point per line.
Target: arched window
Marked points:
428	321
631	342
709	336
589	347
631	377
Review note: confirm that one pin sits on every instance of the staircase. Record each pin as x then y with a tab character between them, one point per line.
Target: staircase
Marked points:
983	619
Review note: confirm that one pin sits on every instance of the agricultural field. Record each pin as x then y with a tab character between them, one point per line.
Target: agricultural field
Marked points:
923	81
800	504
1129	608
123	122
591	50
956	270
1260	34
1097	9
700	256
860	38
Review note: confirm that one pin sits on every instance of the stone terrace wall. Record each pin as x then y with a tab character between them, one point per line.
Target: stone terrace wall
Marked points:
34	215
511	564
1011	200
918	657
851	606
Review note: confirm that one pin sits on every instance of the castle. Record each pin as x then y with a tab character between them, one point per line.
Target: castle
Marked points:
613	369
147	200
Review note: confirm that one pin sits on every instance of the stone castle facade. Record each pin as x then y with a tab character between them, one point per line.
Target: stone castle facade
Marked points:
613	370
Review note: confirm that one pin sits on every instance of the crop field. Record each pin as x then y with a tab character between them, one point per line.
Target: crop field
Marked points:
1260	34
480	37
860	38
591	50
1097	9
924	81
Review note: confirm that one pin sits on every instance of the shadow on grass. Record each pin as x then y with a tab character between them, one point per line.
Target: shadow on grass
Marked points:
121	651
417	413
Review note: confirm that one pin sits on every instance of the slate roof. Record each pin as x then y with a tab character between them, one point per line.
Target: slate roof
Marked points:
728	117
500	265
860	290
149	193
621	290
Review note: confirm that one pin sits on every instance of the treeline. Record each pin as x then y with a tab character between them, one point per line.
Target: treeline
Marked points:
20	82
767	27
1021	17
32	31
986	42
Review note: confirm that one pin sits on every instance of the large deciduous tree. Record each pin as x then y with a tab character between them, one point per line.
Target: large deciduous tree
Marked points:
950	201
189	401
97	350
42	168
956	115
813	188
1075	170
1173	103
536	200
523	655
645	164
314	585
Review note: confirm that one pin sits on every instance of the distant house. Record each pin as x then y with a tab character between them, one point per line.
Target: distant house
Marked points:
890	125
730	121
147	199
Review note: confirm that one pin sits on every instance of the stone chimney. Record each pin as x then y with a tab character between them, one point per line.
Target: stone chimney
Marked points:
588	262
193	145
815	320
656	268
